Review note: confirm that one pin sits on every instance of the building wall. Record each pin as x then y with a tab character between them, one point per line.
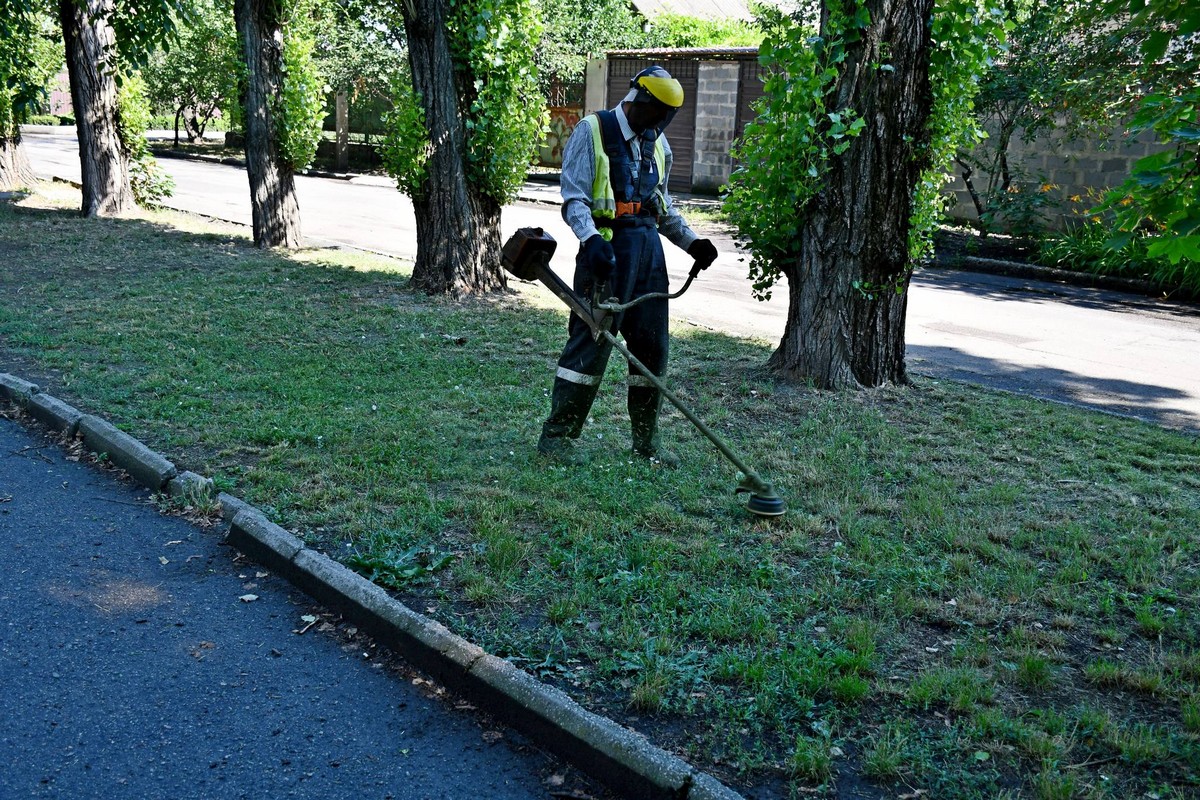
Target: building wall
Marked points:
702	134
716	119
1070	175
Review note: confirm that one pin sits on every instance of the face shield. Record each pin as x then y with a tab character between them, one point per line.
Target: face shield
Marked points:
658	95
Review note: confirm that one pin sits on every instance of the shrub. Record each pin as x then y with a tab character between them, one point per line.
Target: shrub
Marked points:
1088	248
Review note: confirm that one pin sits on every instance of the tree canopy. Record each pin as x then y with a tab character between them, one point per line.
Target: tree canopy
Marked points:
1163	193
199	72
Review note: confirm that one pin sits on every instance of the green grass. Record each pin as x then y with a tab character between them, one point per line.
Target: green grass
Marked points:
968	585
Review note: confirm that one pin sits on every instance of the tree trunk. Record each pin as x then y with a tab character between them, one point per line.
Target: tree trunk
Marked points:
849	288
458	227
272	185
90	46
15	170
191	124
341	118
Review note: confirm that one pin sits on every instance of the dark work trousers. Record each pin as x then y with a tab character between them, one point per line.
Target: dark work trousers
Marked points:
641	269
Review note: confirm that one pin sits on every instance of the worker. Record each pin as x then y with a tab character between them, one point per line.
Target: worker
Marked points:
614	190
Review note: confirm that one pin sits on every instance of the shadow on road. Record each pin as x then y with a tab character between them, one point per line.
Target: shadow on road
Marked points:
1127	398
1001	287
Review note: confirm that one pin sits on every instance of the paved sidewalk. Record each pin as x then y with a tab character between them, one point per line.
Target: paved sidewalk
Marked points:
141	658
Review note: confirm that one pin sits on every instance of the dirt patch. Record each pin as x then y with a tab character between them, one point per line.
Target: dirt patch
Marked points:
953	245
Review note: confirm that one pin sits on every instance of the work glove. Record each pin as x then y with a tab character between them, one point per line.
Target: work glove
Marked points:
704	252
600	258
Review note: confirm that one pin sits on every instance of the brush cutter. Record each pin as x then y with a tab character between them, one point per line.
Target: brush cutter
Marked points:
527	256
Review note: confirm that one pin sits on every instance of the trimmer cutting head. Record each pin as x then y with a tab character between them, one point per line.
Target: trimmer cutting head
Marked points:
763	500
766	506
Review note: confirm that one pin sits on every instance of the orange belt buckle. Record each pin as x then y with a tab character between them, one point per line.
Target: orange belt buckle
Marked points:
628	208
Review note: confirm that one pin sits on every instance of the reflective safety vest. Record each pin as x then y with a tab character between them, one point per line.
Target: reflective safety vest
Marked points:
613	189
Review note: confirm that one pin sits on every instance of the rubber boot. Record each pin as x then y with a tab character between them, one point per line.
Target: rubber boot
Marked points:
644	403
569	407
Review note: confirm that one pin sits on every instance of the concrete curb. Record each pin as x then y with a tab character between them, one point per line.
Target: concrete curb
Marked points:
16	391
146	466
1017	269
55	414
615	755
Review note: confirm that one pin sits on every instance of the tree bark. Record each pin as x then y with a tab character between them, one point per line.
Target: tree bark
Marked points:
15	169
848	289
342	124
275	211
458	227
91	53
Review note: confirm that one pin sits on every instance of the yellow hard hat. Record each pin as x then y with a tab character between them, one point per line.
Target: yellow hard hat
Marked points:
658	84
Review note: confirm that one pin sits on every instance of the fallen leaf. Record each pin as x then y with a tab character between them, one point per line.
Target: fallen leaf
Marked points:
248	598
309	618
262	574
163	560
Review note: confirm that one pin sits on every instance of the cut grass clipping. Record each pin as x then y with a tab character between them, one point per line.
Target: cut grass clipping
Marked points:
974	594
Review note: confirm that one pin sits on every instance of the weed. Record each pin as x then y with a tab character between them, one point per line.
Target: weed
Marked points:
811	760
1034	671
1087	248
850	689
561	610
1149	622
886	753
1189	710
400	568
962	689
1104	673
1053	783
1141	743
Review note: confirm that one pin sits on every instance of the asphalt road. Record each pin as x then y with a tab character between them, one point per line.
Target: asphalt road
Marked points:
1120	353
136	665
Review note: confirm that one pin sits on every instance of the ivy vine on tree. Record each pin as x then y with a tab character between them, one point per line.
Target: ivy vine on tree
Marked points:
300	108
785	152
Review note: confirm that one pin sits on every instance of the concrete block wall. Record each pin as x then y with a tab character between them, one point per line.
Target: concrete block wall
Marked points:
716	117
1072	174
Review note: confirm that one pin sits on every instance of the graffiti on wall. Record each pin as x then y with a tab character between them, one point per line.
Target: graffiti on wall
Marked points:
563	120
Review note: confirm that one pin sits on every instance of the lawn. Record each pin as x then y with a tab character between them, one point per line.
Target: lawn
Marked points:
973	594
